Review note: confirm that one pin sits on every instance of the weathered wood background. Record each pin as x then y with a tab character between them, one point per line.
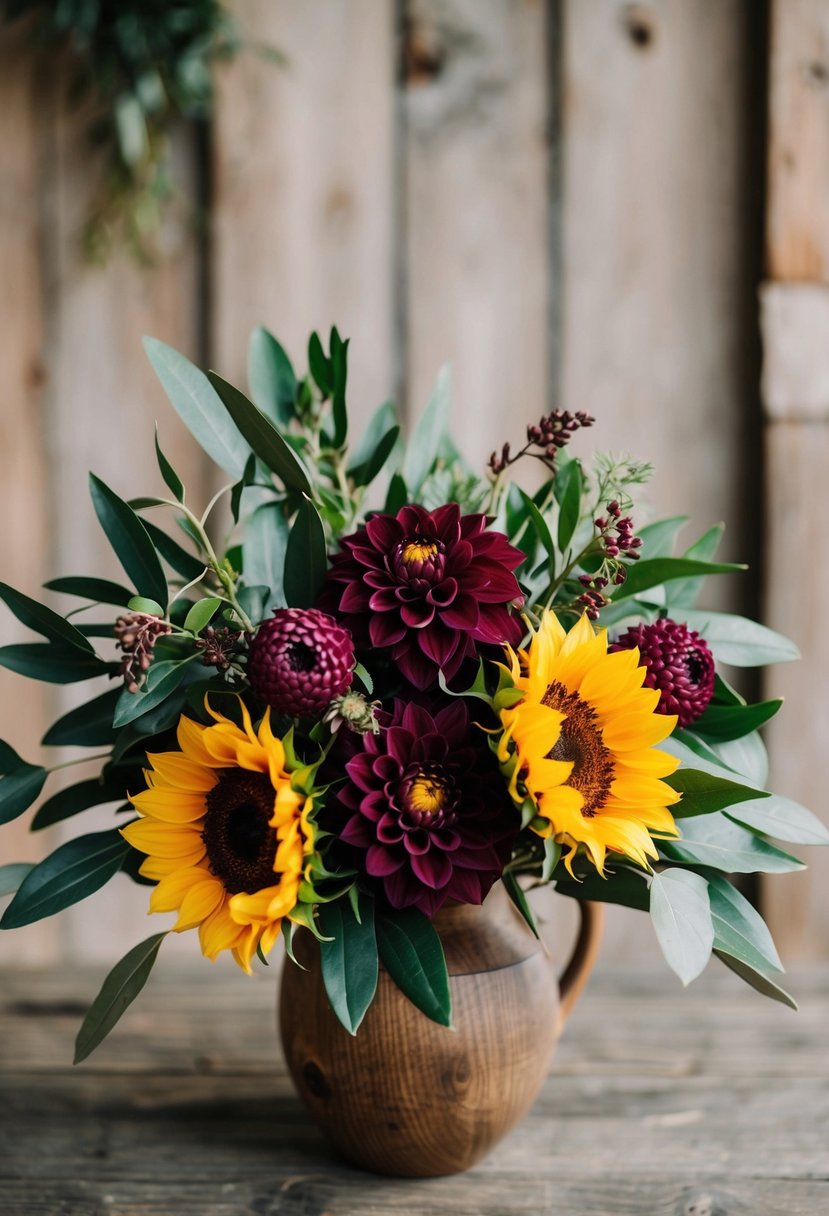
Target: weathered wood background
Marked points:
567	199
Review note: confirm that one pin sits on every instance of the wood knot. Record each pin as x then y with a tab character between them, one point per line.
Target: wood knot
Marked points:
424	55
817	74
455	1080
640	25
315	1081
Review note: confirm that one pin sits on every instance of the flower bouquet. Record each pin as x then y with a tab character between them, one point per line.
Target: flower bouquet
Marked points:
393	684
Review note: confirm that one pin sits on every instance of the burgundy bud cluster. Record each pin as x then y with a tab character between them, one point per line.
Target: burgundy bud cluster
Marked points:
137	633
552	432
617	533
218	646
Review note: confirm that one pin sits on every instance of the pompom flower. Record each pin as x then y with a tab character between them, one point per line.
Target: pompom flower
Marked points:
427	809
578	749
300	660
427	585
226	833
677	663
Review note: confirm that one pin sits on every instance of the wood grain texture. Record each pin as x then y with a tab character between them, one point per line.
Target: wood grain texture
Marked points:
408	1097
304	191
798	201
795	327
706	1100
474	160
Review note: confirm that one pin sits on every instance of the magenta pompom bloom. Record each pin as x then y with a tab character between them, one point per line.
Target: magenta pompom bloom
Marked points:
678	663
427	810
427	585
300	660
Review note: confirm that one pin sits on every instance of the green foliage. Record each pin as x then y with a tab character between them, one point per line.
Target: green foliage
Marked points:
412	953
681	916
349	959
120	988
20	783
74	871
130	540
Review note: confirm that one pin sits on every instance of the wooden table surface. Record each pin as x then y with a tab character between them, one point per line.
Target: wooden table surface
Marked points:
662	1102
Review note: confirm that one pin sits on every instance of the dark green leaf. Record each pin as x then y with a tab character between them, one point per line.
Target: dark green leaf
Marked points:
12	876
381	421
516	893
724	694
196	403
740	641
364	474
715	841
271	377
734	721
130	540
739	929
703	792
43	620
569	487
262	436
626	887
339	376
542	530
319	366
20	785
681	917
74	871
397	496
425	441
98	590
782	818
349	959
264	548
162	679
88	725
120	988
305	558
201	614
77	798
56	664
646	574
412	953
239	488
186	564
171	478
756	979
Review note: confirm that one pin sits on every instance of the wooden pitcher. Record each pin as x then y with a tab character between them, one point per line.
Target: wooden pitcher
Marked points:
410	1098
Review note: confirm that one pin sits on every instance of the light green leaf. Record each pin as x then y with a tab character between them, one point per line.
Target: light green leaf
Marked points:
756	979
271	377
740	641
570	488
739	929
681	917
425	441
782	818
716	841
199	407
140	603
11	876
201	614
120	988
658	538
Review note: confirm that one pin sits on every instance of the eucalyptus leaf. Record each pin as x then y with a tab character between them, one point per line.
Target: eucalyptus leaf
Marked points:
682	593
782	818
171	478
271	377
120	988
703	792
740	641
739	929
681	916
380	423
412	953
43	620
716	841
349	959
197	404
130	540
756	979
88	725
73	872
54	664
658	538
202	613
264	547
263	437
746	756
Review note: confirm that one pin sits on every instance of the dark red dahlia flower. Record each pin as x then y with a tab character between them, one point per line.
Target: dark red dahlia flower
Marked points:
678	663
428	810
428	585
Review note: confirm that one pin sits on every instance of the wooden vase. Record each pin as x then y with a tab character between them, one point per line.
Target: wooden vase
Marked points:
410	1098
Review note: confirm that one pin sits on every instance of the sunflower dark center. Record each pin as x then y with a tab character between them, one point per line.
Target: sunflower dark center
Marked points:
428	797
581	744
301	657
240	843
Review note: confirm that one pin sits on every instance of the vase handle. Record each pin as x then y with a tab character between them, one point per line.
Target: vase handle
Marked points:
584	955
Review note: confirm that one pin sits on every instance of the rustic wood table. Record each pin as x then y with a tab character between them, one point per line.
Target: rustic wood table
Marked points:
706	1102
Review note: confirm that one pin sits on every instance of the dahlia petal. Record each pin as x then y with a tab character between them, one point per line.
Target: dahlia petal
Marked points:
466	886
434	869
462	613
358	832
360	769
415	520
384	599
381	862
415	719
401	889
415	667
398	742
388	829
384	531
386	630
438	643
417	615
417	842
355	598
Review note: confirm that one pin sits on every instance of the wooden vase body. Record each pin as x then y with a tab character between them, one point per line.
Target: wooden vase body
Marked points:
406	1096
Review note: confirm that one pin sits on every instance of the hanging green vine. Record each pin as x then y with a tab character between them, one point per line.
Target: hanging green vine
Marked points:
145	64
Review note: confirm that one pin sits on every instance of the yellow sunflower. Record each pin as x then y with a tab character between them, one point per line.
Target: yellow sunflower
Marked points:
226	833
580	745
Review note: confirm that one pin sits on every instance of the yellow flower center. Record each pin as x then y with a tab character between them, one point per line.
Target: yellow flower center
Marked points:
418	551
426	795
580	743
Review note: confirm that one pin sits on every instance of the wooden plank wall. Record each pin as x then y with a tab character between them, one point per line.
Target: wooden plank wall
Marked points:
559	196
796	401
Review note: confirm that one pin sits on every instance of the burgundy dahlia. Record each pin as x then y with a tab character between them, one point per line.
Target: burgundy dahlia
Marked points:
427	809
300	660
678	663
428	585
